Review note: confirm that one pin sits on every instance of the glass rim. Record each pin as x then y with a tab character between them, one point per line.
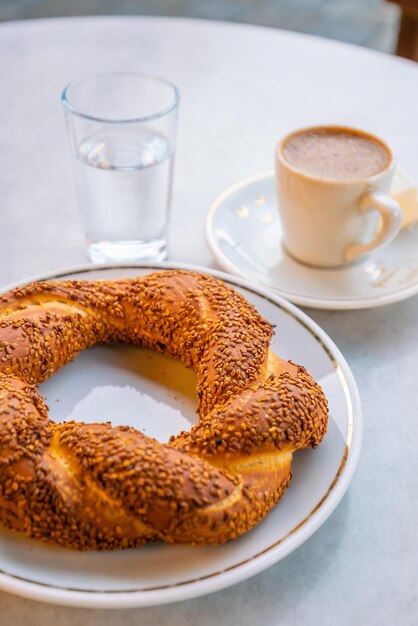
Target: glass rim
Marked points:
70	108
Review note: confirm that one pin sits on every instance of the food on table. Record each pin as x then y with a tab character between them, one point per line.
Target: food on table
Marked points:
94	486
405	192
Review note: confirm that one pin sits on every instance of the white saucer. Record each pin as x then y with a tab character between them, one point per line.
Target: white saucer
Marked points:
157	395
244	234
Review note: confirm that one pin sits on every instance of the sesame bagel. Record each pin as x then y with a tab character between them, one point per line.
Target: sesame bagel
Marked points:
94	486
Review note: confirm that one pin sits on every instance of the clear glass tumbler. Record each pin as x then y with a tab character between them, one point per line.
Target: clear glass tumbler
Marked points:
122	129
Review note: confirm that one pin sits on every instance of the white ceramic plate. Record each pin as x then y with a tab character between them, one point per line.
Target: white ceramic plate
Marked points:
157	395
244	233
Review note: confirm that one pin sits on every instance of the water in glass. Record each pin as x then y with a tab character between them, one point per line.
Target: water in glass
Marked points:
124	186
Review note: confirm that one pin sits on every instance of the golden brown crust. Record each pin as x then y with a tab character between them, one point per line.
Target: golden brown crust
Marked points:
94	486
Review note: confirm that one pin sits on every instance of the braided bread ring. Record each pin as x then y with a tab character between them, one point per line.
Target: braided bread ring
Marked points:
94	486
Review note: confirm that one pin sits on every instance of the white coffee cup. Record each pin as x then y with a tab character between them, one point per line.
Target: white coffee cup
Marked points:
331	222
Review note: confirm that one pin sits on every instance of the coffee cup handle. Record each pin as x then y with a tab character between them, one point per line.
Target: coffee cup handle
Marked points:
391	215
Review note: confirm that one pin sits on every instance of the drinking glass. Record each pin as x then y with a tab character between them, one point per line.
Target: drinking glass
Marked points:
121	128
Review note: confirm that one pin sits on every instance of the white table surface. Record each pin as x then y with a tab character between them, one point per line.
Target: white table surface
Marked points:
242	87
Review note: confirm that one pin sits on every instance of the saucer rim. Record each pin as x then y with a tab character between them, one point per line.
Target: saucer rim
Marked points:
298	299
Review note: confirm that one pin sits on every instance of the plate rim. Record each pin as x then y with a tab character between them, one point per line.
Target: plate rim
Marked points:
300	300
250	567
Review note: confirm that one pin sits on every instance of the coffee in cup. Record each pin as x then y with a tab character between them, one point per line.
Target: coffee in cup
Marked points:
332	185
